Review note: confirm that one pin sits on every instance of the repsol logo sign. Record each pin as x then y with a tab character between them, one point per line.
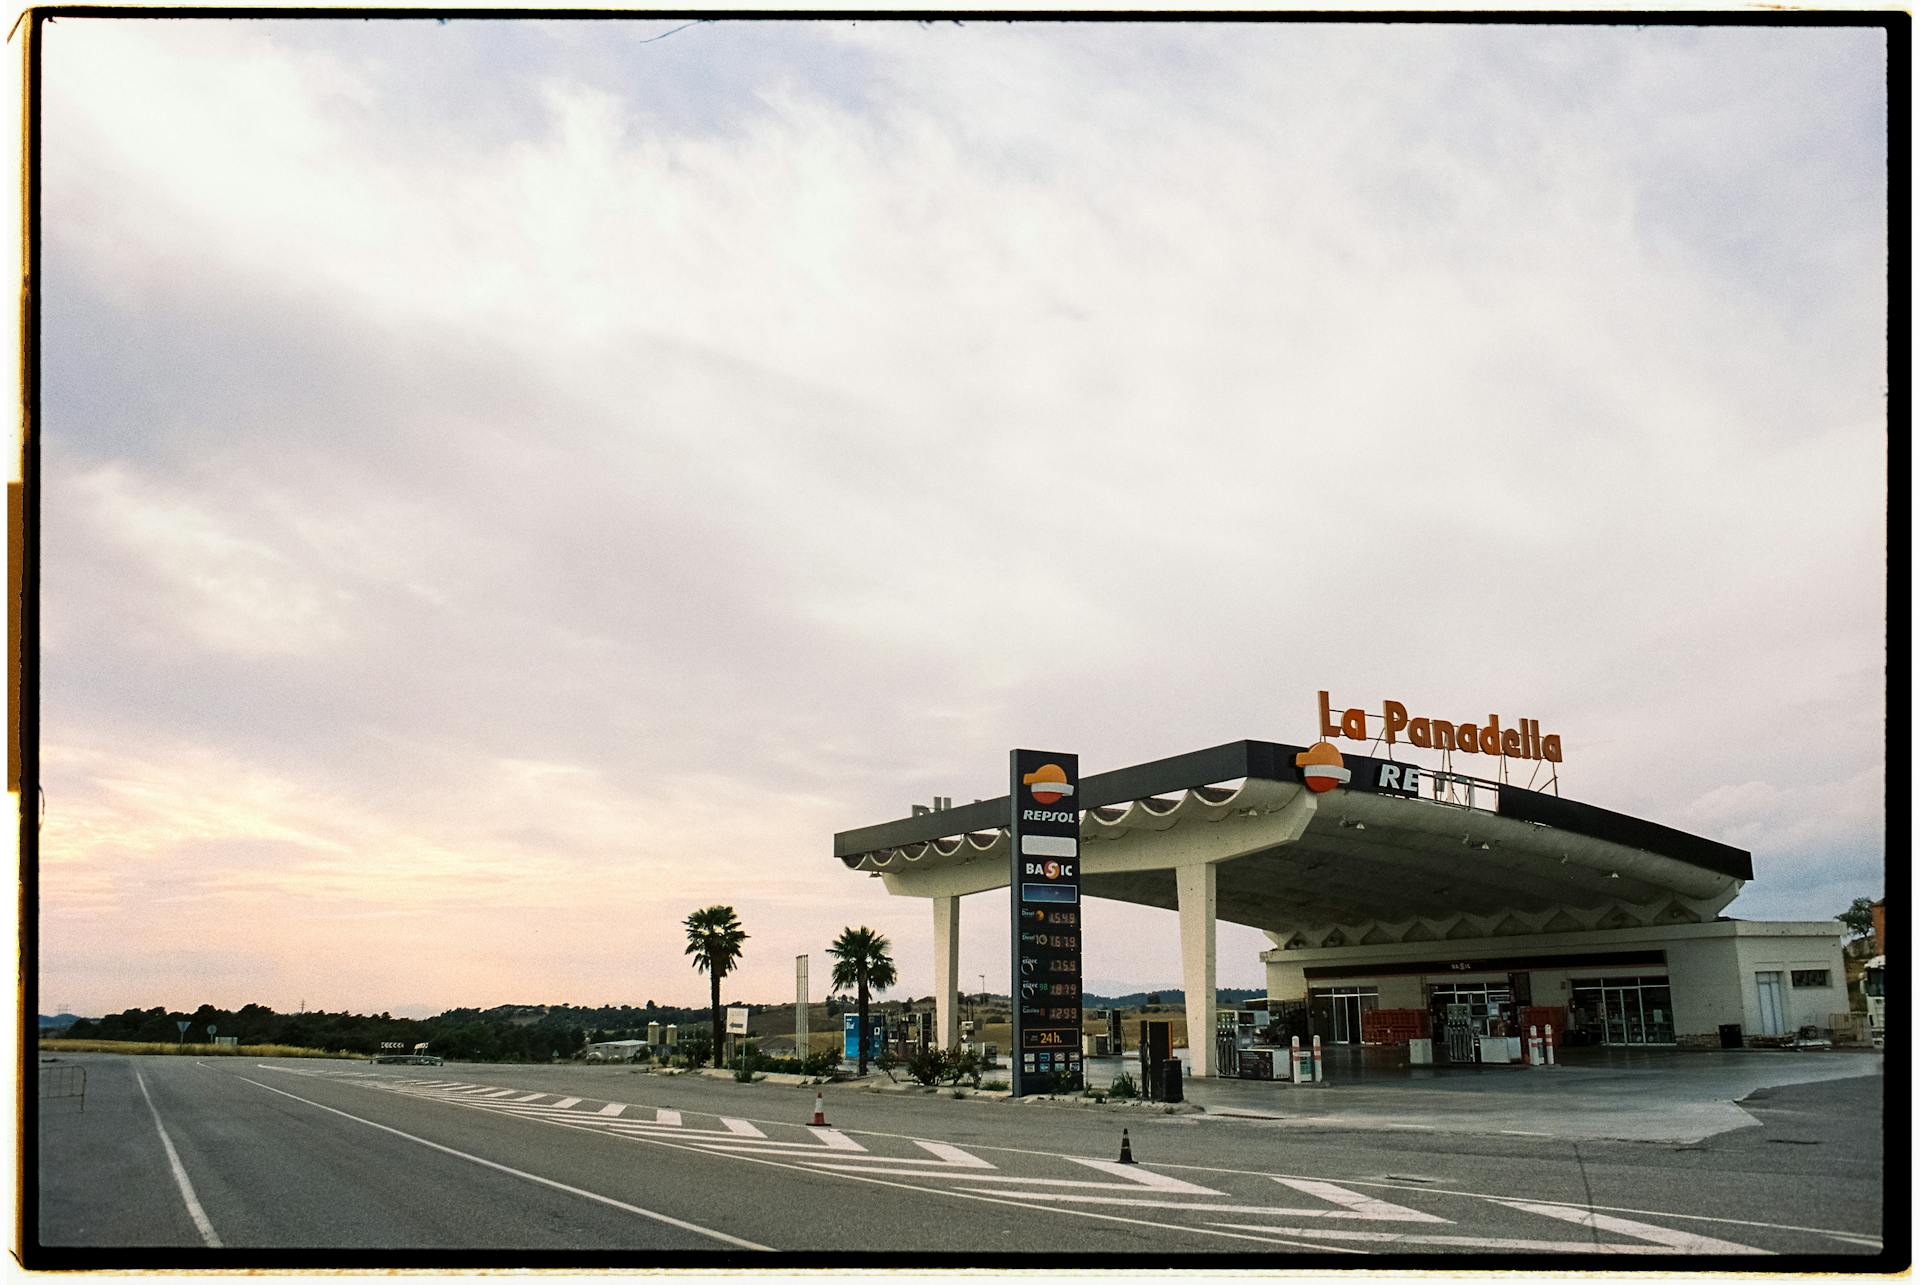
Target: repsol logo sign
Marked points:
1042	814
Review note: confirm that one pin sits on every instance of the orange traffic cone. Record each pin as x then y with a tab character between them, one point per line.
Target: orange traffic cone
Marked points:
1126	1149
819	1120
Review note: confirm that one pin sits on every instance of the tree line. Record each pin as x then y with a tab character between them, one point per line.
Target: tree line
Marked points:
863	965
509	1033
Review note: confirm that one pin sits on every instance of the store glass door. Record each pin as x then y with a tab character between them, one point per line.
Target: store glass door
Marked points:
1623	1010
1625	1015
1771	1021
1346	1019
1344	1008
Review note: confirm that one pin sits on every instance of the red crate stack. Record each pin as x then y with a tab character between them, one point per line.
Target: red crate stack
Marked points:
1395	1025
1543	1017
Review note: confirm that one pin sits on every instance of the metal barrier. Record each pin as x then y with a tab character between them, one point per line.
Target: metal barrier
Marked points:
64	1082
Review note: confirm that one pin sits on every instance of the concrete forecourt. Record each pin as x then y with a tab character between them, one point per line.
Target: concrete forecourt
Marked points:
242	1159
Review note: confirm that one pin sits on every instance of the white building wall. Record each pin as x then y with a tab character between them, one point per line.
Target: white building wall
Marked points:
1706	988
1286	980
1782	953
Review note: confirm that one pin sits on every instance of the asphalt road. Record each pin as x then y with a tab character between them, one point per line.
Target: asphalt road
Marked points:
248	1162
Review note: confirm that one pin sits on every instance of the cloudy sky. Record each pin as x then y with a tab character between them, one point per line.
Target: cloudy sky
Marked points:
508	484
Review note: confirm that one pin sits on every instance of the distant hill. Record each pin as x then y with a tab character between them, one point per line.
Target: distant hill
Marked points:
1172	996
58	1022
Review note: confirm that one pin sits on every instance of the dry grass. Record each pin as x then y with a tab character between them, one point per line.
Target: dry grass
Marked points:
176	1050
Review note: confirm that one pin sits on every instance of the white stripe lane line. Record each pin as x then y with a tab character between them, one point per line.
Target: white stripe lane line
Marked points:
530	1097
613	1108
741	1128
1457	1242
194	1210
666	1116
565	1104
1685	1242
582	1192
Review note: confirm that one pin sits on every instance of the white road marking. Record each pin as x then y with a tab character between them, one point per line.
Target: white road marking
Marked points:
838	1141
1462	1242
613	1108
742	1128
1499	1198
666	1116
1683	1241
724	1143
670	1221
530	1097
564	1103
1145	1177
495	1093
1016	1199
194	1210
1354	1205
950	1154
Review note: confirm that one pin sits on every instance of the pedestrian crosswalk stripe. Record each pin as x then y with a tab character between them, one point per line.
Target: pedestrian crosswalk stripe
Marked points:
613	1108
1354	1205
565	1103
667	1116
1685	1242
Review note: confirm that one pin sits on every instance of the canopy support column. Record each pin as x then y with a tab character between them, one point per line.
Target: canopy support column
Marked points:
1196	886
946	970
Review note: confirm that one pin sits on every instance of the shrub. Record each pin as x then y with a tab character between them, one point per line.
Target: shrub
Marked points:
696	1049
963	1064
1123	1086
996	1086
927	1066
886	1062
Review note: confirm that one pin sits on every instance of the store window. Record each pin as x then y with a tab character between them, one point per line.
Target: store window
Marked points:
1812	977
1342	1007
1621	1010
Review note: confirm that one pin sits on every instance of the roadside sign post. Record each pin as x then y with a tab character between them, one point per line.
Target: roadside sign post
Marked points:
183	1030
211	1029
1044	879
736	1025
802	1038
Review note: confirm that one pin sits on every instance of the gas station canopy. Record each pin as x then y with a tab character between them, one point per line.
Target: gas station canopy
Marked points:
1362	863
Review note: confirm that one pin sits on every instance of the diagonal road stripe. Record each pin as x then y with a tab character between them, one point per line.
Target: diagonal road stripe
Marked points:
1684	1242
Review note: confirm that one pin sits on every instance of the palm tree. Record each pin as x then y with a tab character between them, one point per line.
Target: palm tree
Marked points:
860	960
713	939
